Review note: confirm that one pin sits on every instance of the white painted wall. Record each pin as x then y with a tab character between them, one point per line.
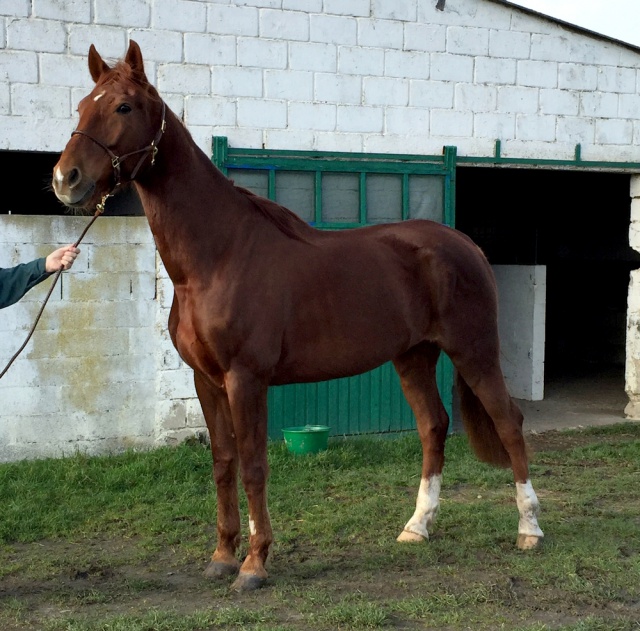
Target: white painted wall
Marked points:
522	291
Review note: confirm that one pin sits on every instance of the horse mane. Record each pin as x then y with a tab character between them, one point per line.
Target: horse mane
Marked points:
282	218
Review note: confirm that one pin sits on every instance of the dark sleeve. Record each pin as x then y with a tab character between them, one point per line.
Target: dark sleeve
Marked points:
16	281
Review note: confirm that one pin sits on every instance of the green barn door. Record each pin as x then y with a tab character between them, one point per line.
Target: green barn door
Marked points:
334	191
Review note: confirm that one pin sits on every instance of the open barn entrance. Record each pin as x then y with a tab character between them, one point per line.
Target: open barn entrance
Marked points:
576	224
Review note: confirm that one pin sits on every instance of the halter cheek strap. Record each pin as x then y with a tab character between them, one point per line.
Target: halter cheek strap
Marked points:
116	161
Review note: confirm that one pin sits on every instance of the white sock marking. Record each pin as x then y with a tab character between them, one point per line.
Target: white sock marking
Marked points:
427	506
528	507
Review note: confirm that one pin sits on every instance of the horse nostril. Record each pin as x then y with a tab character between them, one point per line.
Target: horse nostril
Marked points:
74	177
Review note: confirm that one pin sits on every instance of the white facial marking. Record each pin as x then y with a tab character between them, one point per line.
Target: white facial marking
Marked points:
252	527
58	175
427	506
97	97
528	507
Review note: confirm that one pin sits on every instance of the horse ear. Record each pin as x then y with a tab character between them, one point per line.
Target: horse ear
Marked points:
97	66
134	58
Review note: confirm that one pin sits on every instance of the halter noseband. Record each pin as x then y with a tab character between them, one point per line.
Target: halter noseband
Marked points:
117	160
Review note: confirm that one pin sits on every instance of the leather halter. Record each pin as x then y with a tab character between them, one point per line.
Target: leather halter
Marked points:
117	160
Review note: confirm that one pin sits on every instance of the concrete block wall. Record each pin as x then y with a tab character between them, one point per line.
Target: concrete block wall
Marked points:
87	380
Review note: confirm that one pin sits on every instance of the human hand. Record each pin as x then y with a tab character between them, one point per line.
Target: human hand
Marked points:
61	259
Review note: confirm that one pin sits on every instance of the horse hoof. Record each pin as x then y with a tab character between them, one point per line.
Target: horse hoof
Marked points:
248	583
528	542
407	536
216	569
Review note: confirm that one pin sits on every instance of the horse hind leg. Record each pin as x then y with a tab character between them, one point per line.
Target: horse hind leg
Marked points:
493	422
417	371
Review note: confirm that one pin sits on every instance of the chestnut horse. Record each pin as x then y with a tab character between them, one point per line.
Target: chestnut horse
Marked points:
261	298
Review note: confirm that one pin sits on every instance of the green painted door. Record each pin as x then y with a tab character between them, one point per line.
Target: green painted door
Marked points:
334	191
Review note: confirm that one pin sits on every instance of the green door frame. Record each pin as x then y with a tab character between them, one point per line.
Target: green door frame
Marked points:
352	405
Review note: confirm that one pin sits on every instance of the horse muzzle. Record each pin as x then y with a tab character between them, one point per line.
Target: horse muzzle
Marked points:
72	188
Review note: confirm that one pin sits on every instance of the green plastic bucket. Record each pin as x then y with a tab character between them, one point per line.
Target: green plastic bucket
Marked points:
307	439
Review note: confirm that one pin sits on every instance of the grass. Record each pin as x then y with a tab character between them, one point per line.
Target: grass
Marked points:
119	542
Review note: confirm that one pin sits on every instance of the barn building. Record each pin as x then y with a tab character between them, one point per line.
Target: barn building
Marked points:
516	128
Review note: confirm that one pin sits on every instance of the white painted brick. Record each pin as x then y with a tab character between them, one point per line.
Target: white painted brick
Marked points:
629	105
64	70
262	114
357	60
179	15
110	41
492	125
425	37
232	20
184	79
171	414
333	29
447	67
332	141
352	118
291	85
464	40
407	121
551	48
475	98
24	133
634	191
339	89
15	8
68	11
599	104
25	402
431	94
39	101
577	77
518	100
559	102
316	116
541	128
176	384
585	50
314	56
212	50
406	64
614	132
273	4
284	25
310	6
406	11
489	70
125	13
296	139
616	79
251	138
206	110
540	74
5	100
358	8
160	46
43	36
451	124
385	91
18	66
195	418
237	82
575	130
262	53
121	258
509	45
379	33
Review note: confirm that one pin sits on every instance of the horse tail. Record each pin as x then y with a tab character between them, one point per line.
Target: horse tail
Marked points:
480	429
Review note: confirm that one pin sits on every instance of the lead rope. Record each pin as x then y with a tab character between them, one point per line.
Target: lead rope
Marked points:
99	211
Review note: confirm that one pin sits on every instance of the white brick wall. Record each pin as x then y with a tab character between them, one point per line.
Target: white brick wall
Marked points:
337	75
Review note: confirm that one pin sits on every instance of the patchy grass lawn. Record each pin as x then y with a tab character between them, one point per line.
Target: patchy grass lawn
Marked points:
120	543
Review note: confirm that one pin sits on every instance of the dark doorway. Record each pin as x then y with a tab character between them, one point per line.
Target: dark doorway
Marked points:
32	172
577	225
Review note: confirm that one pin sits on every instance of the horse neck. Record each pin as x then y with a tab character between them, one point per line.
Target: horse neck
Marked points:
191	207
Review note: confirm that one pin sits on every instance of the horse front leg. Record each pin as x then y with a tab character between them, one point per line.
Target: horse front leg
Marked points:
215	407
248	402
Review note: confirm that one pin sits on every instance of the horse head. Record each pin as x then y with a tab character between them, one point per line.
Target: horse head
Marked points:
121	122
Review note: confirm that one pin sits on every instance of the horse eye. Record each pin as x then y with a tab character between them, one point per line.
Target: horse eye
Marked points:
125	108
